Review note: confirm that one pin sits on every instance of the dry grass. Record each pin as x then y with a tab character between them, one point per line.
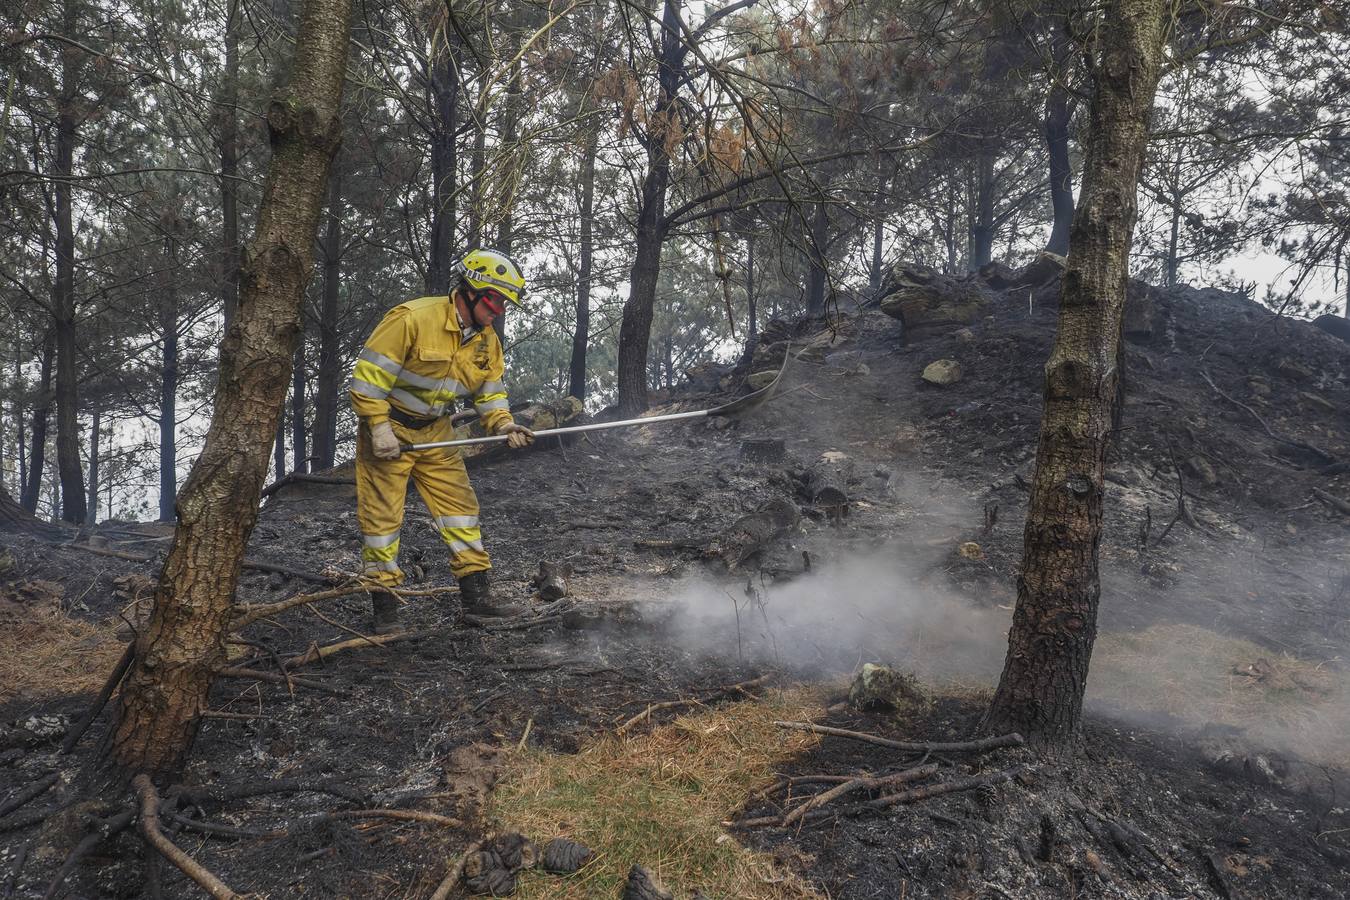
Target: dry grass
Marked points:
659	799
1200	676
45	653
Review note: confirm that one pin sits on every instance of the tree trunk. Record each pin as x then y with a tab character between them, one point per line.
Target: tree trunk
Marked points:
445	87
982	211
510	135
582	335
299	439
168	390
1057	117
37	456
95	427
279	444
330	362
635	329
752	326
816	262
229	169
178	653
63	290
1054	625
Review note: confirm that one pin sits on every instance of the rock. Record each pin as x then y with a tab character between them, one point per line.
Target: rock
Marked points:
1045	267
643	885
1337	326
758	380
563	857
927	301
884	688
1201	468
971	550
943	372
997	275
46	727
1314	400
1295	371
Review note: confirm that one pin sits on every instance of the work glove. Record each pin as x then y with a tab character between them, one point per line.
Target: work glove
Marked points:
383	441
517	436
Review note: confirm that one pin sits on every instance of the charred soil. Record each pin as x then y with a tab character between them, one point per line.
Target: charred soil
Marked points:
1213	763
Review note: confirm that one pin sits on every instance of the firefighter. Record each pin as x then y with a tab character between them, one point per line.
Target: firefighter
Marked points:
422	356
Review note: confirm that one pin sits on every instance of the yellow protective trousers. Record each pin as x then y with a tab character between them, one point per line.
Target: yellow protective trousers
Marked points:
382	486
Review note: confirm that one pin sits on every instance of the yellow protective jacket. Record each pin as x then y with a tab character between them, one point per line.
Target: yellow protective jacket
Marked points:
417	360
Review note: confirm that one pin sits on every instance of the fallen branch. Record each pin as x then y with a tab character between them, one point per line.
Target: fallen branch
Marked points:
976	746
1333	501
944	787
247	614
118	673
1273	435
247	564
305	477
168	849
198	796
220	830
719	694
923	793
32	818
456	872
30	793
232	672
410	815
316	653
859	784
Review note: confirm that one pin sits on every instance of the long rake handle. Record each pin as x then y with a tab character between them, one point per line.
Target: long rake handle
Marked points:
570	429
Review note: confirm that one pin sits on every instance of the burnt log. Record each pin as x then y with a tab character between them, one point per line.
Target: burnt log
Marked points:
750	534
551	580
827	481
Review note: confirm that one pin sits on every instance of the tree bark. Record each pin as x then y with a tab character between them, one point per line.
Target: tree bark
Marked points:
815	260
299	436
1058	115
37	455
635	329
168	390
329	376
63	289
752	326
1040	694
178	653
581	337
982	209
91	504
445	87
229	168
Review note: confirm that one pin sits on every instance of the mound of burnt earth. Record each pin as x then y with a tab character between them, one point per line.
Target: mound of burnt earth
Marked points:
1141	815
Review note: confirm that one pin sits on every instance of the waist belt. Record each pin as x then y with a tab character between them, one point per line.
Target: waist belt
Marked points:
409	421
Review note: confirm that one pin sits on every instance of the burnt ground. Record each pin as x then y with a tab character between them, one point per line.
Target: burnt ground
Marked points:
644	519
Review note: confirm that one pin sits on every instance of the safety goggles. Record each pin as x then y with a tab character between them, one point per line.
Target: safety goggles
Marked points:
493	300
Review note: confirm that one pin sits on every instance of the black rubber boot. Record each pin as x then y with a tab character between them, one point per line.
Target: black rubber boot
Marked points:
385	605
476	595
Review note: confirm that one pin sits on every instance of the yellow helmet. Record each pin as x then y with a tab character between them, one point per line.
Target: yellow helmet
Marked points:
489	270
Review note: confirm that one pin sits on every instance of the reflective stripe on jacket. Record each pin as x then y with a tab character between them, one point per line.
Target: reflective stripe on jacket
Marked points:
416	360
